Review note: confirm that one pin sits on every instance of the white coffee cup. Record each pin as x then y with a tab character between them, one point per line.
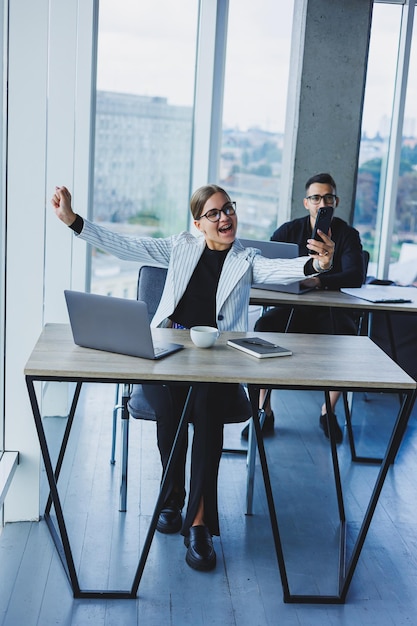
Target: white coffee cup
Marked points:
204	336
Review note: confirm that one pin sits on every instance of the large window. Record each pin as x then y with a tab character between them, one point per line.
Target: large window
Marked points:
143	132
256	79
144	138
404	241
3	108
144	116
386	200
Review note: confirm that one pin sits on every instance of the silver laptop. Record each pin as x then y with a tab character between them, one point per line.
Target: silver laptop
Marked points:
272	249
296	287
277	250
115	325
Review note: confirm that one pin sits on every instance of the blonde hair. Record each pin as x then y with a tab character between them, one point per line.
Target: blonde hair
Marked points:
200	197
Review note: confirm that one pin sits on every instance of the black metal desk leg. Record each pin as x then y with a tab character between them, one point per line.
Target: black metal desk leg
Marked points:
64	548
336	469
254	399
60	535
182	426
251	455
346	570
390	455
64	443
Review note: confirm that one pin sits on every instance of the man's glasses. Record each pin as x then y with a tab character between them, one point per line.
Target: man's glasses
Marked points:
328	198
213	215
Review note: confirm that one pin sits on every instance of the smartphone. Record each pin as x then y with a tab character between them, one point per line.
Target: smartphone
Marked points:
323	219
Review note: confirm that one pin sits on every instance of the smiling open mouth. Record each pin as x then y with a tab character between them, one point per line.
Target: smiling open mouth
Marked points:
225	229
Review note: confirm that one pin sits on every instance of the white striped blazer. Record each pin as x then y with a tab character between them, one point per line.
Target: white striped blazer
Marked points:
181	253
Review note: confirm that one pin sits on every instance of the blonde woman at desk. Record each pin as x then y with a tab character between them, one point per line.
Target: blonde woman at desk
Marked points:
208	283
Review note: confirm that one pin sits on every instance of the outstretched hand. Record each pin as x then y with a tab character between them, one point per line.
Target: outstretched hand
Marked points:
61	201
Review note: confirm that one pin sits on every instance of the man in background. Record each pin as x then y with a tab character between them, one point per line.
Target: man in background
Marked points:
347	271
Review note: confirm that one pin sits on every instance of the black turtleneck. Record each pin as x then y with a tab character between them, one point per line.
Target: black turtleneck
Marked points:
197	306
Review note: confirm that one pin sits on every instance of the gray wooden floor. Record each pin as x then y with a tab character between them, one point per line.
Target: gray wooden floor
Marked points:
245	588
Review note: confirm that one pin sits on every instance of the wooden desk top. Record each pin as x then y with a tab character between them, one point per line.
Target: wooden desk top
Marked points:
318	361
337	299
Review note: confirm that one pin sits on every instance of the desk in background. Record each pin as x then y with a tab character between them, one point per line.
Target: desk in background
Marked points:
319	362
332	299
378	316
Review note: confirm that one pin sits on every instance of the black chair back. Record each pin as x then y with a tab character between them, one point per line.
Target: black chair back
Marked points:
151	282
365	259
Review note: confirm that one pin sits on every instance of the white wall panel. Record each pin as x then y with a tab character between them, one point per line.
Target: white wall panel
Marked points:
25	238
68	140
49	143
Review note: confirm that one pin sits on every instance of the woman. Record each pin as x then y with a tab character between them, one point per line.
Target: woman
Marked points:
208	283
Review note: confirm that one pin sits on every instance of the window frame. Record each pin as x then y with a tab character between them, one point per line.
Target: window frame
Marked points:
3	143
390	176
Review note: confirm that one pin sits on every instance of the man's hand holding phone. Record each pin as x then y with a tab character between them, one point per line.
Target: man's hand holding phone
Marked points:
321	245
323	251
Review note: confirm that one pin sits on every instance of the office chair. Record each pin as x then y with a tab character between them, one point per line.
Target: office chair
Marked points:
131	401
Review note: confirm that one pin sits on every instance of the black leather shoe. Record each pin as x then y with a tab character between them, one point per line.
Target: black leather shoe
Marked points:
200	552
338	430
170	520
267	427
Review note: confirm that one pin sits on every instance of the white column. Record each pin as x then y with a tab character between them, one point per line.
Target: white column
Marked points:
325	96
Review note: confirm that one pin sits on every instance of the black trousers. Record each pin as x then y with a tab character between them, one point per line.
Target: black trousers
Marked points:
208	423
308	319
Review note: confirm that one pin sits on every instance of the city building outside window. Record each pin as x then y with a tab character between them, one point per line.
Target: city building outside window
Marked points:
143	131
255	95
144	113
144	134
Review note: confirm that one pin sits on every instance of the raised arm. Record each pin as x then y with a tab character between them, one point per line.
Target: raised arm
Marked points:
129	248
61	201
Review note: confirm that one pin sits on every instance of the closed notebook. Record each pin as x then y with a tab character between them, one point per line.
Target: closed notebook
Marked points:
260	348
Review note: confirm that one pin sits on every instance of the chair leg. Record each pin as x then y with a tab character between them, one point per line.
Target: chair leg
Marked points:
250	469
251	455
116	408
125	447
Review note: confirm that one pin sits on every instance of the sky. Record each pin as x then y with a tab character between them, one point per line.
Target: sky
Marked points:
148	48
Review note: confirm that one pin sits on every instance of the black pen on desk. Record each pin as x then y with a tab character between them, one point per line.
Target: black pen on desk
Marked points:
256	342
394	301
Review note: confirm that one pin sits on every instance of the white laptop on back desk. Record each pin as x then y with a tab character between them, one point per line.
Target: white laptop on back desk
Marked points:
114	325
382	293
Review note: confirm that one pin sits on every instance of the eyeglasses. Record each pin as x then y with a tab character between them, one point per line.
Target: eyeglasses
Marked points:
213	215
328	198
